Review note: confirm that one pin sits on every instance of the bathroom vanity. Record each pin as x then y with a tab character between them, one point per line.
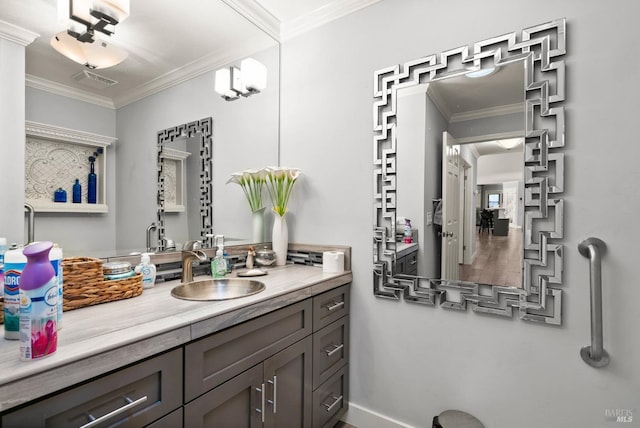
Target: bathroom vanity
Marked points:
276	358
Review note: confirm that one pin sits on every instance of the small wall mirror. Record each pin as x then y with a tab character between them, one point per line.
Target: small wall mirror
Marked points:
184	184
467	147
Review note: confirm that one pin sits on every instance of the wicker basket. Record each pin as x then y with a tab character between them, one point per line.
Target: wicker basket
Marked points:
84	284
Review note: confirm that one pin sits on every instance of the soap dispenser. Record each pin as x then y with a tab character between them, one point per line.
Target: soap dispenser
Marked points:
148	271
219	264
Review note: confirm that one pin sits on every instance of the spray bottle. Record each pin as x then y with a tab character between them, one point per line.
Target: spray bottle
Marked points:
38	303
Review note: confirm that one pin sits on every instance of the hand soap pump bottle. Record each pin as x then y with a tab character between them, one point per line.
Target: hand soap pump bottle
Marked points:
38	303
219	264
148	271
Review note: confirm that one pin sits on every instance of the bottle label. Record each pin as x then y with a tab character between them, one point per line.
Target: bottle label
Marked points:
12	299
38	321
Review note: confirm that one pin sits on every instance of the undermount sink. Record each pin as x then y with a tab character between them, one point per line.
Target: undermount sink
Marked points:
217	289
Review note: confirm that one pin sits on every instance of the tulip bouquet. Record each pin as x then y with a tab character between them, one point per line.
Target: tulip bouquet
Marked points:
280	183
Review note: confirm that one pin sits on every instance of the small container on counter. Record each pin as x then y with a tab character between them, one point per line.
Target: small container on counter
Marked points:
265	257
117	270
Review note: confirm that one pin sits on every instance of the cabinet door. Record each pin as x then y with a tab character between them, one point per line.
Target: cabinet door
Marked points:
289	386
238	403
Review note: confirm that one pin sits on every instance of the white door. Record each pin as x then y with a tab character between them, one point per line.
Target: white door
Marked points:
450	206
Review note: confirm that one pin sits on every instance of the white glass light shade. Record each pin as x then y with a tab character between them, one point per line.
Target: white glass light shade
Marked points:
481	73
117	9
223	83
99	54
254	74
509	143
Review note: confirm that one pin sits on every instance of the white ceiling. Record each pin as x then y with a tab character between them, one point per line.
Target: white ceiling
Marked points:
168	41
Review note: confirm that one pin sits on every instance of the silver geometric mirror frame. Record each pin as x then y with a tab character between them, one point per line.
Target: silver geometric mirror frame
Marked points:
203	130
542	48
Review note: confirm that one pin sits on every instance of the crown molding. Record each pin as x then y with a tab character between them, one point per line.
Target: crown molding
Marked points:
488	112
188	72
16	34
51	132
321	16
67	91
257	15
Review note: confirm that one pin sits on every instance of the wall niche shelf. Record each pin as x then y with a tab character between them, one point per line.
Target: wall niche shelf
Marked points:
54	158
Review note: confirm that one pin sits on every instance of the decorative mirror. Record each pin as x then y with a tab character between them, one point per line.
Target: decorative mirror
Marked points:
184	181
434	180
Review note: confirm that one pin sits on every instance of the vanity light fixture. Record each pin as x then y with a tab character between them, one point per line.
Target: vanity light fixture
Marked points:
249	79
84	20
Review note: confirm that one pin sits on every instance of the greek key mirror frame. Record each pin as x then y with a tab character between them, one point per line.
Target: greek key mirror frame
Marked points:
542	48
203	130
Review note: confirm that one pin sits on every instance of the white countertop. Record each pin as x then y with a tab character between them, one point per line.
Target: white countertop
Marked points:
100	338
403	249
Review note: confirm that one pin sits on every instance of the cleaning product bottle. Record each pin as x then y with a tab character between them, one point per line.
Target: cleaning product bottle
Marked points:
14	263
55	257
38	303
148	271
219	264
3	249
408	233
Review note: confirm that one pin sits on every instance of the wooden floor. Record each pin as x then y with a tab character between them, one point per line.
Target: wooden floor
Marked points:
498	260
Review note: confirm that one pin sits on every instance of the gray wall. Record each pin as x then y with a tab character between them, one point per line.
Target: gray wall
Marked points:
410	362
74	231
245	135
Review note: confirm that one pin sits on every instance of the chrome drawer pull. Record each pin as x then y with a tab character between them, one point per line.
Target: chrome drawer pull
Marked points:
335	306
274	382
335	349
334	404
130	404
261	409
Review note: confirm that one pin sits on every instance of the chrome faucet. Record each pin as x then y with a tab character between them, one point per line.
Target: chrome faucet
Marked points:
191	253
151	227
31	224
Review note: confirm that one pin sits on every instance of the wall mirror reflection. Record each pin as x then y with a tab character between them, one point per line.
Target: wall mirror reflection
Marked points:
468	165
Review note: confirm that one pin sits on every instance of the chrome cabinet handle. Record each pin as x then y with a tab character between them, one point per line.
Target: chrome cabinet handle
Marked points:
273	402
261	409
334	404
335	349
130	404
334	306
594	355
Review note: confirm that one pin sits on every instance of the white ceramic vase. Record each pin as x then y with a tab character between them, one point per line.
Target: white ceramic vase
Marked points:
280	239
257	218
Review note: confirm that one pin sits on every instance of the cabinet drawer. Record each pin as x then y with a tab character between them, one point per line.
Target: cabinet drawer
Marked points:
331	399
133	397
330	306
330	350
172	420
215	359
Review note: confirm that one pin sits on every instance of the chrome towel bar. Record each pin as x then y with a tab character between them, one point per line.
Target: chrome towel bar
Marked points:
594	355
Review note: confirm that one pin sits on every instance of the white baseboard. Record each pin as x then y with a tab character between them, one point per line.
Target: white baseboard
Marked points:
362	417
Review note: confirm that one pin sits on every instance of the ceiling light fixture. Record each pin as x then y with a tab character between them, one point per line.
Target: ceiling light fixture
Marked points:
509	143
83	19
481	73
249	79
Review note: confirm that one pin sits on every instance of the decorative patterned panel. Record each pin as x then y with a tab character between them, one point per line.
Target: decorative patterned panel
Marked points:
54	158
542	48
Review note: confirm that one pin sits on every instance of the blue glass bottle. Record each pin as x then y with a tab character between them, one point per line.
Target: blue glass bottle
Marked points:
77	192
92	183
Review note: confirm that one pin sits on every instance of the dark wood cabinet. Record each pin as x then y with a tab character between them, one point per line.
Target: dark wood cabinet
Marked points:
287	368
132	397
